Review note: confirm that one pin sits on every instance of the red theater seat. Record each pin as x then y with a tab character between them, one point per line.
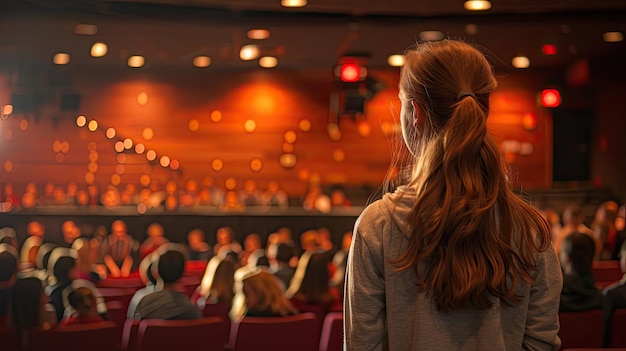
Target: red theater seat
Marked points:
158	334
122	295
135	283
129	335
92	336
617	337
290	333
116	313
332	332
581	329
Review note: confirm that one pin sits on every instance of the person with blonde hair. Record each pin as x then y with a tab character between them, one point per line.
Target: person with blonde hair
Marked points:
265	297
453	259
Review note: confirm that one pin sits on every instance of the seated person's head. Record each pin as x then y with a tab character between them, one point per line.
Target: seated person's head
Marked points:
573	215
263	293
170	266
62	264
8	266
284	253
83	300
576	254
252	242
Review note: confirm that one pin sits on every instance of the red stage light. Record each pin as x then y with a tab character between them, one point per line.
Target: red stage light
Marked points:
350	72
549	49
550	98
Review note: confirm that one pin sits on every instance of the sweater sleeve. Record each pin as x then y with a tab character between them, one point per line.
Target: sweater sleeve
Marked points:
364	302
542	321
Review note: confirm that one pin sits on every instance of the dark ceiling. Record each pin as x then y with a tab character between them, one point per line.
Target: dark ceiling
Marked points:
169	33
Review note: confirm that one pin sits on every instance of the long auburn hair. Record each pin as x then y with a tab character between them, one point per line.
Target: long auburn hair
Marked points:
476	238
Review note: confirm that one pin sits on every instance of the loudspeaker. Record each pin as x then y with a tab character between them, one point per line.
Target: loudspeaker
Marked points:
571	157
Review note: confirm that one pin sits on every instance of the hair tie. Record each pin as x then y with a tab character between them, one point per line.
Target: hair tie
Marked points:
464	94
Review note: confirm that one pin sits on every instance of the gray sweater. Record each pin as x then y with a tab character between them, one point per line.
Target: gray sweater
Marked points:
384	311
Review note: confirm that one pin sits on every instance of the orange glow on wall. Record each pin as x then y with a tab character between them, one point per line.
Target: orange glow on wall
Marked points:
529	121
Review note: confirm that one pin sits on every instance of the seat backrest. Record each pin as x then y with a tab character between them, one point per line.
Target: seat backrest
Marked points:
99	336
116	313
123	295
8	339
332	332
581	329
159	334
617	334
134	283
129	335
289	333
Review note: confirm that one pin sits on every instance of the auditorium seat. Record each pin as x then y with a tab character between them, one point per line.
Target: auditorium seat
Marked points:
581	329
332	332
98	336
129	335
122	295
8	339
116	313
606	272
134	282
219	310
617	336
158	334
190	283
289	333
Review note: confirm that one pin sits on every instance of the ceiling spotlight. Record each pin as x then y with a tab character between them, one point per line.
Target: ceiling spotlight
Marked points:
477	5
99	49
201	61
136	61
293	3
268	62
249	52
61	58
613	37
520	62
396	60
258	34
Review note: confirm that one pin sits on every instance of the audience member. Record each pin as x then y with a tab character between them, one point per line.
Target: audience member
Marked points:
61	272
614	296
84	260
274	196
604	228
118	250
149	280
282	269
8	275
168	303
264	297
573	219
28	253
7	236
84	303
250	195
70	233
339	261
251	244
156	238
226	241
579	289
197	248
29	307
310	283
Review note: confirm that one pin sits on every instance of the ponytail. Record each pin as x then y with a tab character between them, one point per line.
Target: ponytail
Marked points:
476	239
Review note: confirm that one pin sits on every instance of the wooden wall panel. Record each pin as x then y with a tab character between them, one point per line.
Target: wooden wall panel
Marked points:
276	100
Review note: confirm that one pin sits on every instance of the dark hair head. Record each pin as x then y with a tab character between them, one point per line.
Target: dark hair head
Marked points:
580	248
171	266
8	262
62	269
76	300
315	283
26	302
263	261
284	253
43	255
